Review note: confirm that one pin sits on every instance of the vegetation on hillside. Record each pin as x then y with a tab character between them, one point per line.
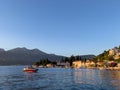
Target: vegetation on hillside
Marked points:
70	60
42	62
106	57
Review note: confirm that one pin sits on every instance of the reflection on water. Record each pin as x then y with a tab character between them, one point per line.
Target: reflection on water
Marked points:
12	78
111	77
106	80
28	76
84	75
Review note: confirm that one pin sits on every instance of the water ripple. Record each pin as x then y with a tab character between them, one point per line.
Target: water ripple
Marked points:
58	79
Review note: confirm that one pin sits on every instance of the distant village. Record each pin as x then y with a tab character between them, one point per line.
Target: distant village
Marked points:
107	60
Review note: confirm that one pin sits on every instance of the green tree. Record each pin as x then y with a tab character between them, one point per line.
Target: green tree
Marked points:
36	63
103	56
77	57
67	59
110	58
72	58
63	60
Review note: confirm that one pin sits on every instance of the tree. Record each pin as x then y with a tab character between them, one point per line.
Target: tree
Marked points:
36	63
95	60
63	60
85	60
77	57
103	56
54	63
44	62
80	58
110	58
67	59
72	58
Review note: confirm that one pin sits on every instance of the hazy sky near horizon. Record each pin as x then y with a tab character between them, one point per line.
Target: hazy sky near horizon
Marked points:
62	27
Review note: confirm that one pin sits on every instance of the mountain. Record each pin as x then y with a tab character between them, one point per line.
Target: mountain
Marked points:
23	56
2	50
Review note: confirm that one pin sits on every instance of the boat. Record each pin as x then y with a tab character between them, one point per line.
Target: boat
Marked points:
30	69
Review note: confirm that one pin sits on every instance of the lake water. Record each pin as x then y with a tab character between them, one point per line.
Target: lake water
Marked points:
12	78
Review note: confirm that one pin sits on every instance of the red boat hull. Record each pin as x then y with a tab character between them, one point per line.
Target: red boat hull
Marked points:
30	70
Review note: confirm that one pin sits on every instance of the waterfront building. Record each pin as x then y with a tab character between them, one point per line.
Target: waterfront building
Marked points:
77	64
63	64
49	65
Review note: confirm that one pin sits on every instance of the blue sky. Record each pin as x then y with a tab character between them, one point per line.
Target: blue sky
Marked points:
62	27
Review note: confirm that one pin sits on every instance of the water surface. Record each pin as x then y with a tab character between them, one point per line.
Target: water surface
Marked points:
12	78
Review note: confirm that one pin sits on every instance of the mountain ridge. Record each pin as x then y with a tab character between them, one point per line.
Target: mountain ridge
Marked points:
24	56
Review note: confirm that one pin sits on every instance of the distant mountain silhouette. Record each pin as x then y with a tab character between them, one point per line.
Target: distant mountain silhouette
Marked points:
23	56
2	50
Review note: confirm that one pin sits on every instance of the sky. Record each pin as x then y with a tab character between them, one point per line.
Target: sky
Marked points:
62	27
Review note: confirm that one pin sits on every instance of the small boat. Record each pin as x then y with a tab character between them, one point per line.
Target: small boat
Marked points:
30	69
